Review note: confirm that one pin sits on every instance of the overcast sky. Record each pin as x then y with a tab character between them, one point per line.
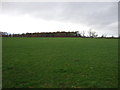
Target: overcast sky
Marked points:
22	17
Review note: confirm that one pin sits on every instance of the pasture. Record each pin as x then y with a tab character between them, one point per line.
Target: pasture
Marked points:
59	63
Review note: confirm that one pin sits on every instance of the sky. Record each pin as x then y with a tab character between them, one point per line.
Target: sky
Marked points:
22	17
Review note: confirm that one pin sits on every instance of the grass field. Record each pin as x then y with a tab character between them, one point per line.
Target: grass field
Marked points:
60	63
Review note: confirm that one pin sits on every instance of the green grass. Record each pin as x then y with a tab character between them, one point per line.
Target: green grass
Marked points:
60	63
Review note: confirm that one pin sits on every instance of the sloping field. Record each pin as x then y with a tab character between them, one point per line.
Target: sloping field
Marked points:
60	63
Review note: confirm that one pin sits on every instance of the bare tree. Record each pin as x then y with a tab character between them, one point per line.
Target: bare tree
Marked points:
83	33
112	36
92	33
104	35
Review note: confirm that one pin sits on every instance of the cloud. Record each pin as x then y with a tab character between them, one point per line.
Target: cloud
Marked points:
101	16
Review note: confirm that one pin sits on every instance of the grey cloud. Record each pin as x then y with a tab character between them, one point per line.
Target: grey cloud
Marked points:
92	13
99	15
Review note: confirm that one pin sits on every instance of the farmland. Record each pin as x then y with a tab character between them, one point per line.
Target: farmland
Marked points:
59	63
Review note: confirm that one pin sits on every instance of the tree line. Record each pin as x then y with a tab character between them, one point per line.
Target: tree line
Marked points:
91	34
